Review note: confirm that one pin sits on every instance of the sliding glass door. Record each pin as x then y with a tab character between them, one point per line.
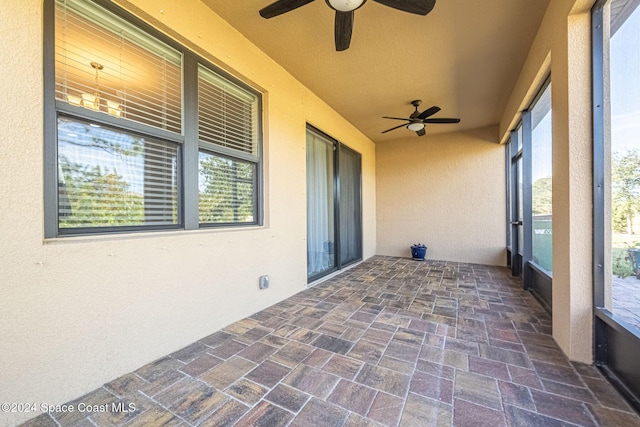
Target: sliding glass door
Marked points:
334	212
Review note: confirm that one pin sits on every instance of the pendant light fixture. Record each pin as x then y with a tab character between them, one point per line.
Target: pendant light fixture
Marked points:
93	100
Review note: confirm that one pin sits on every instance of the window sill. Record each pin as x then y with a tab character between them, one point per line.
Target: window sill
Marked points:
143	235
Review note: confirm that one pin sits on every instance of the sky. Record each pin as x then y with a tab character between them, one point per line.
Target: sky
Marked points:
541	136
625	85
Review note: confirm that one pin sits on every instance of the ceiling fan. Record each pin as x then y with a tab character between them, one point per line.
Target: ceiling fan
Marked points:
345	12
417	120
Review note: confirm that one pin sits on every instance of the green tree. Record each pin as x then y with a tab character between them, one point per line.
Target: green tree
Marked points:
625	183
93	197
226	190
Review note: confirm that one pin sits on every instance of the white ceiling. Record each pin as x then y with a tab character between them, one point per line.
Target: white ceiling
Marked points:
464	57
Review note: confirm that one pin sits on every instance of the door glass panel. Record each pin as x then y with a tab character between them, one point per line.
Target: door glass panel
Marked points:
520	198
320	205
625	160
350	216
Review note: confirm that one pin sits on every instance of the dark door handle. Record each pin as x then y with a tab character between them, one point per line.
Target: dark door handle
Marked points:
516	222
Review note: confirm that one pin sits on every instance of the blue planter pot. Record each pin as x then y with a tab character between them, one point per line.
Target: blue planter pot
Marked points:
418	252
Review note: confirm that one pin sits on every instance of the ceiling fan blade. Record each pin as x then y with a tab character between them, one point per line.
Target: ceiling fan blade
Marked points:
421	132
396	118
343	30
428	112
419	7
441	121
394	128
282	6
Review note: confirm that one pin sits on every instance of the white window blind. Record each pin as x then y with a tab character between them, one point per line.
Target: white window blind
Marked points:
105	64
227	114
109	178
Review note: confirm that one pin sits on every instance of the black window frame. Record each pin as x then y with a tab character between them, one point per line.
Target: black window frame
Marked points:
519	147
188	143
615	343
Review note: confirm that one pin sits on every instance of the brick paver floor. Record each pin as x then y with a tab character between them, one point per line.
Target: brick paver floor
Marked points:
389	342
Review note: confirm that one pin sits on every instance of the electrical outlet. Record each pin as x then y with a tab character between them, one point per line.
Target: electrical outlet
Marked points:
263	282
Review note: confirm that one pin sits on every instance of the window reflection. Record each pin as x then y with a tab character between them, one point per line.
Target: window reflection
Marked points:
541	163
110	178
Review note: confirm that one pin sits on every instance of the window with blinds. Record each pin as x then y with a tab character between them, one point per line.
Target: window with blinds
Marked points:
123	158
227	114
110	178
228	138
103	63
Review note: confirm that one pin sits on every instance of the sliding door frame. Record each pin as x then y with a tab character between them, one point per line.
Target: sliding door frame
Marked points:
358	233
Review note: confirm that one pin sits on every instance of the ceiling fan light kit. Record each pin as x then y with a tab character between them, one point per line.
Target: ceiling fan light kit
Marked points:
345	5
343	26
418	120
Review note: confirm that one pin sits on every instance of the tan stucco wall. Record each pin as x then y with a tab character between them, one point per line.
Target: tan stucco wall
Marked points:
563	48
77	312
446	191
